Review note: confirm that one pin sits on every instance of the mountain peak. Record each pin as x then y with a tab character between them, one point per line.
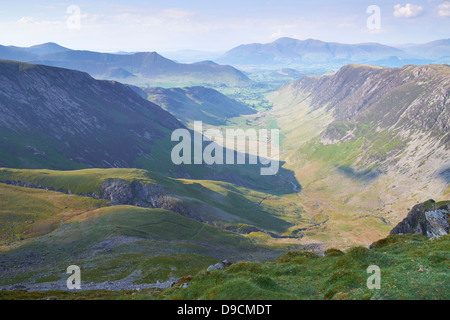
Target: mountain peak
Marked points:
285	39
289	51
48	44
46	48
207	62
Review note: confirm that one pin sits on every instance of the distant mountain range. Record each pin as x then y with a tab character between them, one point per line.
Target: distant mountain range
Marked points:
435	50
191	56
288	51
144	68
151	69
198	104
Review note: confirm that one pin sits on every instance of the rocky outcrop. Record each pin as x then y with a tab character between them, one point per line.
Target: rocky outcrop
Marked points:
140	194
429	219
135	193
220	266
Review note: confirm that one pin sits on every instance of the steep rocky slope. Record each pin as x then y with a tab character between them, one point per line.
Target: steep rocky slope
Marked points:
412	98
59	118
370	138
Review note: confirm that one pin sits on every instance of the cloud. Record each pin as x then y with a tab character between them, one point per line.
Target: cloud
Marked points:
25	20
277	34
32	22
444	9
408	11
176	13
281	32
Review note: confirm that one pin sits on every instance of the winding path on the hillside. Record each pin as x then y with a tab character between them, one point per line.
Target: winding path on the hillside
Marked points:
323	204
319	203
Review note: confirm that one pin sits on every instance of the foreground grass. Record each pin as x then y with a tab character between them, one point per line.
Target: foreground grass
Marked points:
86	295
412	267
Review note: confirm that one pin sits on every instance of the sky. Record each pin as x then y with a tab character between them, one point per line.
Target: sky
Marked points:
211	25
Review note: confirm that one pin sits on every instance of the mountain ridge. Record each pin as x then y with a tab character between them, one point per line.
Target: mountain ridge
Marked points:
369	84
64	119
198	104
145	67
290	51
367	136
37	119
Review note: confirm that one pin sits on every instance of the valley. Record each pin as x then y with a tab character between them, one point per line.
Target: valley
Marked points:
353	164
87	179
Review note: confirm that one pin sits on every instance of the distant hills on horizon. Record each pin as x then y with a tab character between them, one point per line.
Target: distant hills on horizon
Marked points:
141	68
289	51
151	69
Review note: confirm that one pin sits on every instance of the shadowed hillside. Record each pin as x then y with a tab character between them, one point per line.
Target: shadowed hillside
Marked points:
198	104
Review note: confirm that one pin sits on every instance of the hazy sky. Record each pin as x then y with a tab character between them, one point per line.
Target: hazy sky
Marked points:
138	25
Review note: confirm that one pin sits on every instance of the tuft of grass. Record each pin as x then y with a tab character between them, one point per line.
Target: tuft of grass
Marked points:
412	267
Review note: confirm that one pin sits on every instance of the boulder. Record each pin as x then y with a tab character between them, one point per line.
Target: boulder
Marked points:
219	266
429	219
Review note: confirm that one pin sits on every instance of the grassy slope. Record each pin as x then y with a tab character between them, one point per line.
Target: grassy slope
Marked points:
218	202
412	267
43	231
157	238
78	182
26	213
61	228
215	201
110	243
191	104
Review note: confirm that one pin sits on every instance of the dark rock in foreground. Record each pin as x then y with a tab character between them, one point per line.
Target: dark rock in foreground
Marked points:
429	219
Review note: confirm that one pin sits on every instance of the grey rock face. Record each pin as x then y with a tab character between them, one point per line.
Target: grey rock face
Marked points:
135	193
438	222
427	219
139	194
219	266
116	190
